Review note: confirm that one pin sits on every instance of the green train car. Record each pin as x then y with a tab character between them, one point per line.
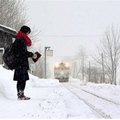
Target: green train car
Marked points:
62	71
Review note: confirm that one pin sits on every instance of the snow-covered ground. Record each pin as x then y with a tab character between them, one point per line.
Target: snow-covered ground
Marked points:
49	98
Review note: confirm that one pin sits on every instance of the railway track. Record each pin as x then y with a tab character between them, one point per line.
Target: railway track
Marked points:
116	103
89	98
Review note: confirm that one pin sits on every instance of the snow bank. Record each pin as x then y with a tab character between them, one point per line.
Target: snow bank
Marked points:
37	82
6	83
8	86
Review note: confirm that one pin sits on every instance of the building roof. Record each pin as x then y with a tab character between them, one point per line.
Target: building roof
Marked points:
7	29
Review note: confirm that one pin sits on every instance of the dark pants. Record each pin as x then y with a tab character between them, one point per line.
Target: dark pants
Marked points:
21	85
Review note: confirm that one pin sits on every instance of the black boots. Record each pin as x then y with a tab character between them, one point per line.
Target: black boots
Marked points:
21	96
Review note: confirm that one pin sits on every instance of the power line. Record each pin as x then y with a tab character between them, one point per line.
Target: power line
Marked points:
72	35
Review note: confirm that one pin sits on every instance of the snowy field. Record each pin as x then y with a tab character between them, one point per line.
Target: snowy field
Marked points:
49	98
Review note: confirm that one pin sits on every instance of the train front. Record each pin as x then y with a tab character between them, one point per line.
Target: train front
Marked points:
61	71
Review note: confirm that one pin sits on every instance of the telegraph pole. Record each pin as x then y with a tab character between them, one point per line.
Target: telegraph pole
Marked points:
89	71
83	69
103	73
45	60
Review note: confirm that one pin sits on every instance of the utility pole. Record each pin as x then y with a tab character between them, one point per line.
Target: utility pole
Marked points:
89	71
83	69
45	60
103	73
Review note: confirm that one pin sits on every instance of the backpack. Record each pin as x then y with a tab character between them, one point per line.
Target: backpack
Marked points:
9	58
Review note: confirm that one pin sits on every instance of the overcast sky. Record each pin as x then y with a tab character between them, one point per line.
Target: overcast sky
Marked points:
66	25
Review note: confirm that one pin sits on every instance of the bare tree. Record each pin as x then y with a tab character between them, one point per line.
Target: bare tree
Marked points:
38	67
93	73
35	35
80	62
13	13
110	47
74	69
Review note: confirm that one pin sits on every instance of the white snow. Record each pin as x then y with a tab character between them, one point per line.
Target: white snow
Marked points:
49	98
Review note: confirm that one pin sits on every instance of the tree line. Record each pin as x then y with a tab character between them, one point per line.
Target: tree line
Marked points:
105	68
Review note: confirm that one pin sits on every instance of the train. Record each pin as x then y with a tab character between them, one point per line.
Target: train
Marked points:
62	71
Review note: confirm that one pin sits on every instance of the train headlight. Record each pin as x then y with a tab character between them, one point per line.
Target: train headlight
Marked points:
67	65
57	65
